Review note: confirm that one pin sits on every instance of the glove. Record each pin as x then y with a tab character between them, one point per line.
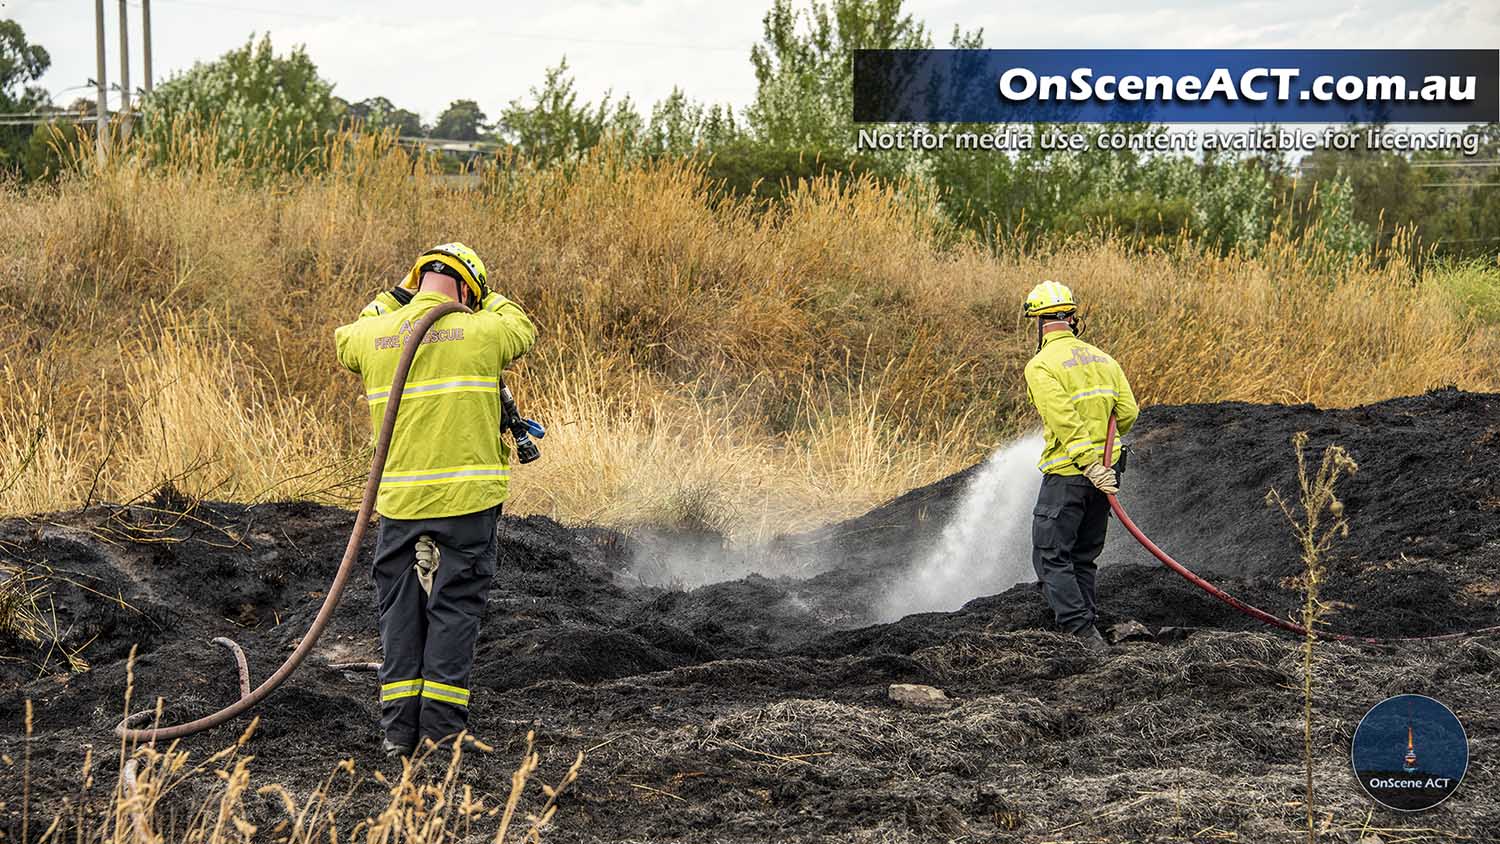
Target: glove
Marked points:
1102	477
427	561
492	302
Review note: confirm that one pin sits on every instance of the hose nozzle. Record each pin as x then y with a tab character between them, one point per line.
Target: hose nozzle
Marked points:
521	429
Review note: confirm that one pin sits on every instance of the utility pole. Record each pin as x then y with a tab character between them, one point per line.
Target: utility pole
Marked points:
101	141
146	35
124	73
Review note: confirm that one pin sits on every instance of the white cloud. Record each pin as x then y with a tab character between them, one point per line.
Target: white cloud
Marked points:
422	57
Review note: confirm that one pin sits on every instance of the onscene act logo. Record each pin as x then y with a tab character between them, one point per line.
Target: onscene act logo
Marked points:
1410	752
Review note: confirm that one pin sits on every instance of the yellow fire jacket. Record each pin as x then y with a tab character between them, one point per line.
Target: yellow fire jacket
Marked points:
1075	387
446	456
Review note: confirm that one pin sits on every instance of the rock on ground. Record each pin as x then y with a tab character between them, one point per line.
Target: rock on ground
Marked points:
918	696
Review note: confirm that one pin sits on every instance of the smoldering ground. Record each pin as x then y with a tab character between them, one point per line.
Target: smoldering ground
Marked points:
756	709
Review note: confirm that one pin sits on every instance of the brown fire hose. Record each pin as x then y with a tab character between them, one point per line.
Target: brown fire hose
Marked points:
351	552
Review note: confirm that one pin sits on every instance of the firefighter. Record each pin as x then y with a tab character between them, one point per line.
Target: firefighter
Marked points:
1075	387
445	478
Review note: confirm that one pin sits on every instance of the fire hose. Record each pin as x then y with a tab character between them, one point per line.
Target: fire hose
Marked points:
1254	612
340	579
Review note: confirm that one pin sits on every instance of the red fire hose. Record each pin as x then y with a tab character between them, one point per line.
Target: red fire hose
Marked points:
1254	612
351	552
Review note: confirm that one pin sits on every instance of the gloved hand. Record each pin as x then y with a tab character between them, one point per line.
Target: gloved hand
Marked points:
1102	477
427	561
492	302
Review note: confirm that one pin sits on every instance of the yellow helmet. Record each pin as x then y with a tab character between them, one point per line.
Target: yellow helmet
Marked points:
1050	297
457	257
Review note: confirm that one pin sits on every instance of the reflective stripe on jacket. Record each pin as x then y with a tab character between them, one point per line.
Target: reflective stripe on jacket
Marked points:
446	457
1075	387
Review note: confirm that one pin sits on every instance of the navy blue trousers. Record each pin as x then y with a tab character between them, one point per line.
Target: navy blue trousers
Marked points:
428	640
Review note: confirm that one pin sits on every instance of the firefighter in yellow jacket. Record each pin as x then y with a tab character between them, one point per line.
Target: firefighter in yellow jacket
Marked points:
445	478
1075	387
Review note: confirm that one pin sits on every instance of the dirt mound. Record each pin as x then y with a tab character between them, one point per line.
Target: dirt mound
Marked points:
1427	485
712	694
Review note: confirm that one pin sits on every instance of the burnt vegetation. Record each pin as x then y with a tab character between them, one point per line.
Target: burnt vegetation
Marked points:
756	708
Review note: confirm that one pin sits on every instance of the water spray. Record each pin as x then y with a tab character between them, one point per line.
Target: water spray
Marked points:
986	546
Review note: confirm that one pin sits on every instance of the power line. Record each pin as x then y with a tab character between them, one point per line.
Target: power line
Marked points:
1485	162
70	119
40	114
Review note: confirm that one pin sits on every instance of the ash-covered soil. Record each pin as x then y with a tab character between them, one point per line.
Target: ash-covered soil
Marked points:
756	709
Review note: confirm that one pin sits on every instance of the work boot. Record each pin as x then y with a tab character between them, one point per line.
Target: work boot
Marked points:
1093	640
395	751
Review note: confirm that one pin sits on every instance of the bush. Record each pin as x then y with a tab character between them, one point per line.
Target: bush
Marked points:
1138	217
1474	287
273	112
747	168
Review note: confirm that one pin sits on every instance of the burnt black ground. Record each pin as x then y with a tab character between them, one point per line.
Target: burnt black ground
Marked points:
684	692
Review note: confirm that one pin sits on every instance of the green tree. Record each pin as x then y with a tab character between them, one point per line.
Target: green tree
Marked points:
1383	189
274	110
1461	204
462	120
556	125
378	113
804	66
1233	204
681	126
21	64
1335	226
1365	194
52	147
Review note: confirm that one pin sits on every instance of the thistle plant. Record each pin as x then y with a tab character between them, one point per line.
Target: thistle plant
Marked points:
1321	523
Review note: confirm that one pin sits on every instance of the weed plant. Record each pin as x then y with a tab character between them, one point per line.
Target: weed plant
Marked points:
1317	521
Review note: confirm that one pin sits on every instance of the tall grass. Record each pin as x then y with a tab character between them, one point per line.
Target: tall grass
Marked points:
165	795
702	357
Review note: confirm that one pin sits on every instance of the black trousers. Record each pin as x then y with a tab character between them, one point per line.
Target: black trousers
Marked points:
428	640
1067	534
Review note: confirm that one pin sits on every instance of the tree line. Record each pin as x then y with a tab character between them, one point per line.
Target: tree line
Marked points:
799	125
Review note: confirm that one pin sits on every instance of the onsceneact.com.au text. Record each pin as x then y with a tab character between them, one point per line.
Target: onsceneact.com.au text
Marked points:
1257	84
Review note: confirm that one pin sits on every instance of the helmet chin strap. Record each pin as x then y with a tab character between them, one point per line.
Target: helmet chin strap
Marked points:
1071	320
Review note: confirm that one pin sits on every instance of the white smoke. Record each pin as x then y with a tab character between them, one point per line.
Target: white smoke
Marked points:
986	547
676	562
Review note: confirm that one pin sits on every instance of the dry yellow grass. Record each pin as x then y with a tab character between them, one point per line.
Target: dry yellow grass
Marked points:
701	359
428	800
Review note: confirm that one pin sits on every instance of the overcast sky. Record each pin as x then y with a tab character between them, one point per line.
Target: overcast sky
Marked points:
423	55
